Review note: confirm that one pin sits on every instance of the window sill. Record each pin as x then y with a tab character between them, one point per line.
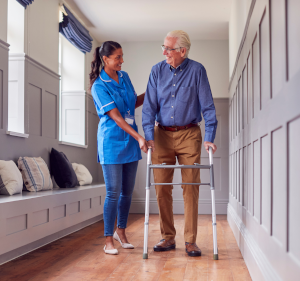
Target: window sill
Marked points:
15	134
73	144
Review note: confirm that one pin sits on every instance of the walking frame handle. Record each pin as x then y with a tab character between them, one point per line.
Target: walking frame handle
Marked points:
212	188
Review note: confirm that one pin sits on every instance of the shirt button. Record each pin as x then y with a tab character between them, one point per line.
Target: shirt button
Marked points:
174	85
172	106
180	69
175	74
171	116
173	96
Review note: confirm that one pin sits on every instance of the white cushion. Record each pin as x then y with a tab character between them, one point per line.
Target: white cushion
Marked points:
83	175
10	178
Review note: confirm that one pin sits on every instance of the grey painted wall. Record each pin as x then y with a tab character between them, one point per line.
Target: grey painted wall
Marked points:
42	117
264	207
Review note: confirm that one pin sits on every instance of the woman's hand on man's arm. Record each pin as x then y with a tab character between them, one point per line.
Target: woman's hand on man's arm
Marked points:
117	117
140	100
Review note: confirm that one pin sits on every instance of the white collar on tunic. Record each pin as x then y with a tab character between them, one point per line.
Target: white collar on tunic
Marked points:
121	75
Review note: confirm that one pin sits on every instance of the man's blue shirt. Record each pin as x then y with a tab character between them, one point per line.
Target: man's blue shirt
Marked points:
177	97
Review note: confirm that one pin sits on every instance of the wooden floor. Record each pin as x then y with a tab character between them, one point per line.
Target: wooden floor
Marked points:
80	256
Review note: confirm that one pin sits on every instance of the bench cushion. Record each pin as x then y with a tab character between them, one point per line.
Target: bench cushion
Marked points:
35	173
10	178
62	170
83	175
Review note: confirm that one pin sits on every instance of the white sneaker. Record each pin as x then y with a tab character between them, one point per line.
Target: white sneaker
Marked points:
124	245
110	252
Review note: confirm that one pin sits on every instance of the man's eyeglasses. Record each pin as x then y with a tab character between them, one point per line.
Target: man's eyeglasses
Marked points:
164	48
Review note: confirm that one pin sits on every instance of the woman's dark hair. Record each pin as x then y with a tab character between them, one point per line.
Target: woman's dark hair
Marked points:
106	49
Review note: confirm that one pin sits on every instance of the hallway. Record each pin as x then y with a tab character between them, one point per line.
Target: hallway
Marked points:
79	256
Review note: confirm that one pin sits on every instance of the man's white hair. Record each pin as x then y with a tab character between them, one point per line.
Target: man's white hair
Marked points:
183	40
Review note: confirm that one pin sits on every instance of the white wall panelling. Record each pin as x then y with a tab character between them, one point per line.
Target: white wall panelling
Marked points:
293	39
16	92
73	117
256	180
293	188
33	219
266	224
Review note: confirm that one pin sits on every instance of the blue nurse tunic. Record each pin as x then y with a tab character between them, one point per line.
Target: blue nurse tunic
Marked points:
115	146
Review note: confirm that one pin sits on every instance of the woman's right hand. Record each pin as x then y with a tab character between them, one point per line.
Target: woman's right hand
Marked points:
143	144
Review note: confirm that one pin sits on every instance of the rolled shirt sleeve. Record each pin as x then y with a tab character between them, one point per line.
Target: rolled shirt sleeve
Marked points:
103	100
150	107
207	106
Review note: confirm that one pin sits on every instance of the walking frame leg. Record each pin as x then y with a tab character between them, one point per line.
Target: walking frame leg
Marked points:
212	188
146	227
213	205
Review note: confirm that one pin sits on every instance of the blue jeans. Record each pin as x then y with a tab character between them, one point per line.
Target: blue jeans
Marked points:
119	180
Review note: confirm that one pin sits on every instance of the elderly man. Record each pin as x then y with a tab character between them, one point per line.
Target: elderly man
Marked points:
178	92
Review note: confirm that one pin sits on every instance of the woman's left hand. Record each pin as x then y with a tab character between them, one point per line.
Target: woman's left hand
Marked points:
143	144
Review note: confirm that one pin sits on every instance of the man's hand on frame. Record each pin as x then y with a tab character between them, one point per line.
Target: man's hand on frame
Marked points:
208	144
150	143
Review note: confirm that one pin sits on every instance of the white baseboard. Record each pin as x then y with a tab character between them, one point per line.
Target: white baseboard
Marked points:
258	265
204	207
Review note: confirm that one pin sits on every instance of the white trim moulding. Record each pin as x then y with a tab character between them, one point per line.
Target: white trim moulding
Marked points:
4	45
73	144
16	134
261	260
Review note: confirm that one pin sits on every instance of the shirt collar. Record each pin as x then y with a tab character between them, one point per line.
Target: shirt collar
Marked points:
181	66
105	78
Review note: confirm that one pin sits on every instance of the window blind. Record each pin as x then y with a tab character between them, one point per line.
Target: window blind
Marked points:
75	32
25	3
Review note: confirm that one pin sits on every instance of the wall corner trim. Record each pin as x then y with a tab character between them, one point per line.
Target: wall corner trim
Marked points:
262	263
73	144
16	134
242	41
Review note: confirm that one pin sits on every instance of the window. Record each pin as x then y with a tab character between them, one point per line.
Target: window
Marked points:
16	66
72	93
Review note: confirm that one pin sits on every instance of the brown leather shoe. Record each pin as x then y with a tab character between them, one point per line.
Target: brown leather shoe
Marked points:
164	245
192	249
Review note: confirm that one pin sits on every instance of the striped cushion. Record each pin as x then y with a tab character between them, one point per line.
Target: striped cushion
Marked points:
35	173
10	178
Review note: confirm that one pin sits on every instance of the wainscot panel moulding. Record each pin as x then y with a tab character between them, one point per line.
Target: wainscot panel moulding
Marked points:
42	67
4	45
16	92
252	248
73	117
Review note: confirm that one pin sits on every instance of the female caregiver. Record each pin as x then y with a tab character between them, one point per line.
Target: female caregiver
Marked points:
119	144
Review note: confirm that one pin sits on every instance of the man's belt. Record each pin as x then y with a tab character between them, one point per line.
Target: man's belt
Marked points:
176	128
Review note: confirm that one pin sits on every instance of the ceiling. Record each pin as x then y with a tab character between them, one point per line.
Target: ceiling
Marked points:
141	20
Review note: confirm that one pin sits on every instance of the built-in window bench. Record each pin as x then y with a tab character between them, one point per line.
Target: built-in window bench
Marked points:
33	219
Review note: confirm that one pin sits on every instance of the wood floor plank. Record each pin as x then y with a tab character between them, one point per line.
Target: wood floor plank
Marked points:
80	256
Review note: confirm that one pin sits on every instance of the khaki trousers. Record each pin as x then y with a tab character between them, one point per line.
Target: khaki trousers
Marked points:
186	146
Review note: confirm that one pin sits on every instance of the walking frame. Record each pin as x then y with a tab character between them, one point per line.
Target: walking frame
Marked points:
212	188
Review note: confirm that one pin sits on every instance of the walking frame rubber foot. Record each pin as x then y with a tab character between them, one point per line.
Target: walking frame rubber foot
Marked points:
216	256
145	256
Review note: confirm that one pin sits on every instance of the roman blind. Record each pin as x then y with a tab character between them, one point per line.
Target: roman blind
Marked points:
75	32
25	3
